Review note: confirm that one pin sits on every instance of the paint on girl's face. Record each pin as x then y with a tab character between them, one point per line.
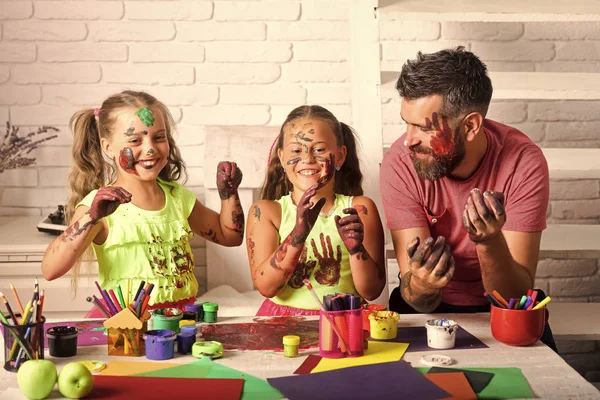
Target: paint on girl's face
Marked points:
126	161
442	142
146	116
300	135
294	161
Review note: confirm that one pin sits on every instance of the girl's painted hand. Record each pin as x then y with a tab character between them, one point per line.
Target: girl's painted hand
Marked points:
106	202
307	212
229	177
351	230
484	215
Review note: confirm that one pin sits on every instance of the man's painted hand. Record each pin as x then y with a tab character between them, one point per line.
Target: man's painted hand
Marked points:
431	263
484	215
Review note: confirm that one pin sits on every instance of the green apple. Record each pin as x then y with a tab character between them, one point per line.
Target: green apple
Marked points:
36	378
75	380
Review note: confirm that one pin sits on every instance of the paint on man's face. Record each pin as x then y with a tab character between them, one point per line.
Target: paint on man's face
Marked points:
146	116
443	141
127	161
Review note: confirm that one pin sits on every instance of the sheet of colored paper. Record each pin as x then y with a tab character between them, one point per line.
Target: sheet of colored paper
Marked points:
416	336
254	388
455	383
390	380
378	352
126	368
506	383
308	365
147	388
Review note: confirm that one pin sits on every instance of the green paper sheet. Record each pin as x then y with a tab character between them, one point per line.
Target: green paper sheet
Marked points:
254	388
507	383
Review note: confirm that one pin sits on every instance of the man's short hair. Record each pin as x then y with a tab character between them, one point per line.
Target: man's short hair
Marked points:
457	75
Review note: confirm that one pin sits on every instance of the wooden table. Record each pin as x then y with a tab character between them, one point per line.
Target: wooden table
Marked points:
549	376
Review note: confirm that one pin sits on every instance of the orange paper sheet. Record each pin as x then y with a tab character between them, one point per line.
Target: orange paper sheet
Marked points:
126	368
455	383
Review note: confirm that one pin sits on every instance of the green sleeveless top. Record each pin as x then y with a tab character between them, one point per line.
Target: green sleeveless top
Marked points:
324	259
153	246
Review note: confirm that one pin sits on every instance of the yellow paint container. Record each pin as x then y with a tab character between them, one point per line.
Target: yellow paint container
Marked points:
384	324
291	343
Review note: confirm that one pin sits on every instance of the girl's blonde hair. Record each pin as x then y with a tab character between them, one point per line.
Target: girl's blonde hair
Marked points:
348	180
90	170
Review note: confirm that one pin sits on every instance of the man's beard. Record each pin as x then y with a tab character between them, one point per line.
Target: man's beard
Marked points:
439	165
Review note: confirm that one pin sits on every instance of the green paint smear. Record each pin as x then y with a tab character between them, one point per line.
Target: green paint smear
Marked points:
145	116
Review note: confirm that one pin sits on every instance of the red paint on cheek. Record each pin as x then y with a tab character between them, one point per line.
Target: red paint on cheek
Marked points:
127	162
441	143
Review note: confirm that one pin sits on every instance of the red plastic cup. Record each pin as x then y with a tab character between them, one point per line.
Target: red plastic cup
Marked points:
518	327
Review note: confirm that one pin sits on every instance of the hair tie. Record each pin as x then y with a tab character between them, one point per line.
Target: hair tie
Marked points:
96	112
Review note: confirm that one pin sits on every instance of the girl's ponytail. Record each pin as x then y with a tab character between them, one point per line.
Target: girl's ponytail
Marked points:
348	180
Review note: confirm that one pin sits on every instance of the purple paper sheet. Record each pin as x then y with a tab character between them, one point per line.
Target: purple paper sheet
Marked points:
416	336
388	380
91	333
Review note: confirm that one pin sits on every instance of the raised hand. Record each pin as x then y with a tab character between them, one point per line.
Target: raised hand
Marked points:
106	202
229	177
351	230
484	215
329	269
431	263
307	212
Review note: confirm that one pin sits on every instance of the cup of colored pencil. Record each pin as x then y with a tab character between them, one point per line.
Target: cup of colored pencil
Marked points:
518	321
23	330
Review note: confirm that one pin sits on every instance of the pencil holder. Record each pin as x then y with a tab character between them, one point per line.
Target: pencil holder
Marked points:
62	341
22	342
125	333
349	325
518	327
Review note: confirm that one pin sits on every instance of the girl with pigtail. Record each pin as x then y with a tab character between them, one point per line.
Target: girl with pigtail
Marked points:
127	203
313	221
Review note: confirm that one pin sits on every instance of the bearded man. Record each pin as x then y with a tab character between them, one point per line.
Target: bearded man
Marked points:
465	197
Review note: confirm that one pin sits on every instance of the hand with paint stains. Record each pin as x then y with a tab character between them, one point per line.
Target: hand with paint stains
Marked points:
329	269
229	177
307	212
351	230
484	215
431	263
106	202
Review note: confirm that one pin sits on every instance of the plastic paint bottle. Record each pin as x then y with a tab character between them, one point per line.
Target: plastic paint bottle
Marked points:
291	343
210	312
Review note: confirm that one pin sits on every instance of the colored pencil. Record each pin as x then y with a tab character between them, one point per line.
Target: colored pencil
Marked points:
142	283
105	297
18	300
15	335
114	299
120	295
145	306
542	303
499	298
533	296
98	305
511	303
127	298
9	309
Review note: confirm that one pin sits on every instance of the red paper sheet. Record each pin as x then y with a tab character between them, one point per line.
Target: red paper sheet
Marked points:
455	383
308	365
148	388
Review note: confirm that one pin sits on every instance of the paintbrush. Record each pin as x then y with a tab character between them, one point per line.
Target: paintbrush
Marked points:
343	345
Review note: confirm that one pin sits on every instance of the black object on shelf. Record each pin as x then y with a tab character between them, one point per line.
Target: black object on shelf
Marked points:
54	223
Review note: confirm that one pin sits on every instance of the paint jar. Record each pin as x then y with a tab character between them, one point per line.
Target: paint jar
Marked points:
17	351
160	344
367	310
349	325
186	322
62	341
384	325
167	319
186	339
196	310
291	344
210	312
441	333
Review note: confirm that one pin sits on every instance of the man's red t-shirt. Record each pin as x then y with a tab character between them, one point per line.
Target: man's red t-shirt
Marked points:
512	164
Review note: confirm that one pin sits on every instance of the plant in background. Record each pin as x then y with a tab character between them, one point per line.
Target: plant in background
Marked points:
15	148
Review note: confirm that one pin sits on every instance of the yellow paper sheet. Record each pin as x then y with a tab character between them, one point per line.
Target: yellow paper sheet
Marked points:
125	368
378	352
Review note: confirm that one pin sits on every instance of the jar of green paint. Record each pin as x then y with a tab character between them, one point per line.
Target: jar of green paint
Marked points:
210	312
